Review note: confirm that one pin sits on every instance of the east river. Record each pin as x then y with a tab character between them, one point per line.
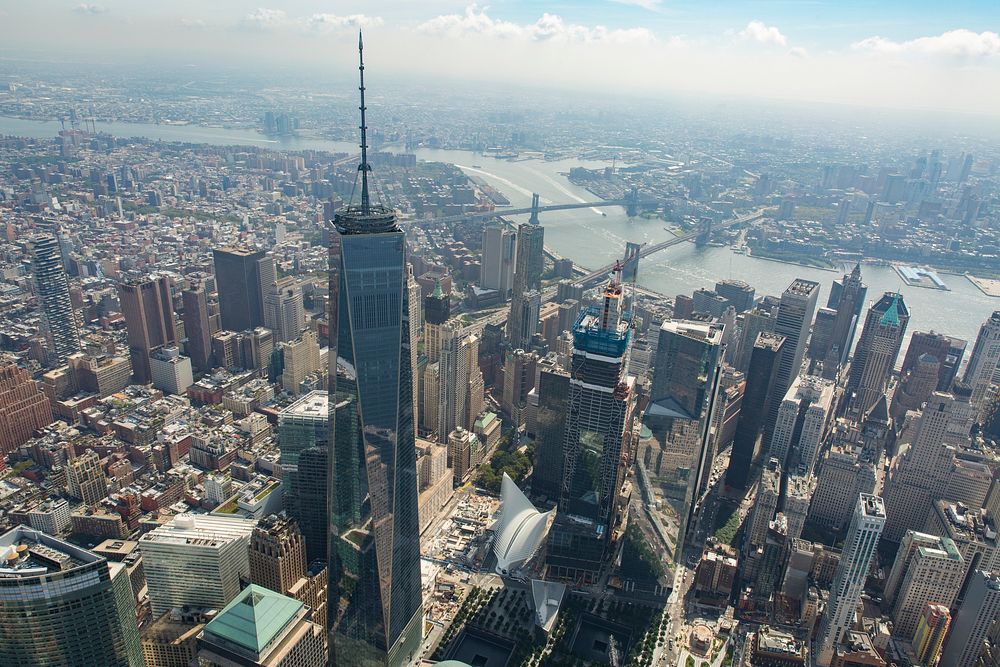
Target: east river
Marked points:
591	239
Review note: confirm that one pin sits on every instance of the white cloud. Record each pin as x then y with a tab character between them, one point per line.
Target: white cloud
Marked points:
798	52
265	19
757	31
651	5
549	27
330	22
91	9
960	43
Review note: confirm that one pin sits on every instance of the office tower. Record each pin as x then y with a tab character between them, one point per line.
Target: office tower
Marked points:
518	381
708	302
102	374
795	314
876	354
172	639
527	284
598	429
497	268
847	297
262	628
463	447
25	408
766	503
437	310
52	288
750	324
946	351
374	523
170	371
196	560
844	473
983	361
413	300
284	313
63	606
915	386
430	396
738	293
303	436
85	478
277	554
301	358
918	476
683	307
975	617
859	547
795	506
460	389
932	628
732	384
197	327
310	510
680	410
803	421
763	368
550	431
241	276
928	569
148	309
821	347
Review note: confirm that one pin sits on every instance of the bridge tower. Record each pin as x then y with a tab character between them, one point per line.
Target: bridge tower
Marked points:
534	209
705	235
630	265
632	202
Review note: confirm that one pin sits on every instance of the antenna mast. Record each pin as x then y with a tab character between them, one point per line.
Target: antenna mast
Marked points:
364	167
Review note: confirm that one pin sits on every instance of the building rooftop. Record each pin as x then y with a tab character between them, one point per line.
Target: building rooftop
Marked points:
872	506
26	552
802	287
254	619
314	404
200	530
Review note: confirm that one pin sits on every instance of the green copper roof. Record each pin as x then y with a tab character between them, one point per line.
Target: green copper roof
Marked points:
254	618
891	315
485	420
438	293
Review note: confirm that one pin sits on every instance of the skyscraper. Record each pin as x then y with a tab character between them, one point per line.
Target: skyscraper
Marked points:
760	379
241	275
437	310
795	314
148	309
848	582
680	411
983	361
876	354
932	628
197	327
847	297
63	606
283	310
52	288
526	298
932	574
497	269
374	527
598	423
277	554
976	616
942	348
550	431
803	421
25	408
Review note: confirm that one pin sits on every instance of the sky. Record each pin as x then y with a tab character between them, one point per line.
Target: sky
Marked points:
882	53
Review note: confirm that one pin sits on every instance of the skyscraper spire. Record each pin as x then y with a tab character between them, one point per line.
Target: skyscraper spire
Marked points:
364	167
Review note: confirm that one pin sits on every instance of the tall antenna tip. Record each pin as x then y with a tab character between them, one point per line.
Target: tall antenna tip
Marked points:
361	43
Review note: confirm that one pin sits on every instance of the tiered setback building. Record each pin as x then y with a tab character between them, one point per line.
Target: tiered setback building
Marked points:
25	408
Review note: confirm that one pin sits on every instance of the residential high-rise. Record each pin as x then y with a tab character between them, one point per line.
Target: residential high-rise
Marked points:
876	354
148	308
197	327
284	313
550	431
85	479
196	560
277	554
497	269
795	314
52	288
760	379
437	311
975	617
803	421
847	297
25	408
932	628
860	546
983	361
681	408
301	358
518	381
262	628
527	285
373	507
241	276
64	606
930	572
598	428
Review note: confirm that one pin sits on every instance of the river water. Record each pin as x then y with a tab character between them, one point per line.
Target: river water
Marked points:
591	239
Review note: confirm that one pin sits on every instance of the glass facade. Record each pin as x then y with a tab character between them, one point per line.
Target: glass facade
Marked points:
374	547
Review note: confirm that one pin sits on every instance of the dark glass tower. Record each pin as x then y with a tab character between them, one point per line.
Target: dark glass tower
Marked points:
374	542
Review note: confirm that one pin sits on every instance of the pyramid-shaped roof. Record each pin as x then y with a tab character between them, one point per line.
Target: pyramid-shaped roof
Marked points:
254	619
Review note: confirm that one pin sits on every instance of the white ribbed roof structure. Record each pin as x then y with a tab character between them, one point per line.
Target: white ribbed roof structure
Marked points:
520	530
